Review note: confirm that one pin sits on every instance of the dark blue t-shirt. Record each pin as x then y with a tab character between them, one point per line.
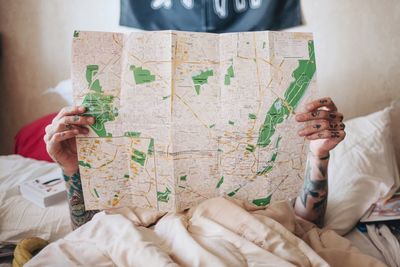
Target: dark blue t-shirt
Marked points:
210	15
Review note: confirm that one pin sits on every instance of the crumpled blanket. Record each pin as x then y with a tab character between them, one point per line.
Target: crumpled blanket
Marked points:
217	232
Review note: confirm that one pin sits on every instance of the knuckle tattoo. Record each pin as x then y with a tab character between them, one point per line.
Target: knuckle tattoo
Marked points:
332	115
335	134
315	113
333	125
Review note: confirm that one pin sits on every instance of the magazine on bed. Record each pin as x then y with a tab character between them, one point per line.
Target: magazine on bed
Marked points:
45	190
384	210
182	117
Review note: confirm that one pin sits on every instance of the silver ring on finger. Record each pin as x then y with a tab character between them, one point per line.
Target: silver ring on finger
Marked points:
68	126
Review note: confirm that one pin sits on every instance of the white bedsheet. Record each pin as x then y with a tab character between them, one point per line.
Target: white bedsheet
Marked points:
19	218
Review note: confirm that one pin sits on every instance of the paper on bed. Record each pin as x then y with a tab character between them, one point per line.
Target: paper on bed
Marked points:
182	117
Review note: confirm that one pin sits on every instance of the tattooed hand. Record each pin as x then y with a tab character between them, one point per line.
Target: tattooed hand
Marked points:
323	126
325	129
60	137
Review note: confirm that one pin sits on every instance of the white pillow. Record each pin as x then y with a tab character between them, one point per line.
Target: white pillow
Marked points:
63	89
395	119
19	218
362	169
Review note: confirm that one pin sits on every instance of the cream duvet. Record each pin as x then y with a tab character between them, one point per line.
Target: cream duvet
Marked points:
218	232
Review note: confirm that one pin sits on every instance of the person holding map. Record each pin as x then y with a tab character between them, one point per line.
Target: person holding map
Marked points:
322	124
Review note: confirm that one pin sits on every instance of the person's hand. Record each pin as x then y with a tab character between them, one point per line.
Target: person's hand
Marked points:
60	137
323	126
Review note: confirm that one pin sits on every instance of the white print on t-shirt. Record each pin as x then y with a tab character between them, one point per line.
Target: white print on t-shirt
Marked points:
220	6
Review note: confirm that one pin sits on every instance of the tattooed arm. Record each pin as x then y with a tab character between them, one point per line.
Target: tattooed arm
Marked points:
324	127
311	203
79	215
61	146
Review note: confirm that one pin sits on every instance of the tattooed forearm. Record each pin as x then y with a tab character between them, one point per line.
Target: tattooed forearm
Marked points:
79	215
312	188
313	196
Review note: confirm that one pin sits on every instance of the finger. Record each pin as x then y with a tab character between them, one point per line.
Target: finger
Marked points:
46	138
320	114
48	128
320	125
314	127
68	111
59	137
61	127
322	102
327	134
335	126
48	132
82	130
76	120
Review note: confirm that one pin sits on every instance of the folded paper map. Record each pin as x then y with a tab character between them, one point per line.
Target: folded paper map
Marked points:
182	117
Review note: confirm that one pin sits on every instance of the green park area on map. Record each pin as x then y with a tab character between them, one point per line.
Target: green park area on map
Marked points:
201	79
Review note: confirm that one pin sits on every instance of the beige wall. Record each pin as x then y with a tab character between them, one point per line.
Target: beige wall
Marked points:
36	36
358	51
357	44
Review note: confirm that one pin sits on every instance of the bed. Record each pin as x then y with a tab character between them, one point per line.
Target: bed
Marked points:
363	169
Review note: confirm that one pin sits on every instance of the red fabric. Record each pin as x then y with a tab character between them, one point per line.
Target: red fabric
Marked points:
29	140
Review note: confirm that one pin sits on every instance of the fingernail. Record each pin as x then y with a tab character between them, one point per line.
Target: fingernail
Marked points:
81	109
310	107
90	120
298	117
76	131
301	133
